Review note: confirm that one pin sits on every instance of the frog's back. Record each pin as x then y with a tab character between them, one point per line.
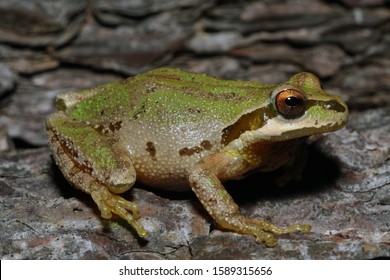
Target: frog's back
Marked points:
168	118
168	94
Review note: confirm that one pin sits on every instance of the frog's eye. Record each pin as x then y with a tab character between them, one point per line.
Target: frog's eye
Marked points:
290	103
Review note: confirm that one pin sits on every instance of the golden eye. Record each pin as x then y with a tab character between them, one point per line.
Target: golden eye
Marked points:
290	103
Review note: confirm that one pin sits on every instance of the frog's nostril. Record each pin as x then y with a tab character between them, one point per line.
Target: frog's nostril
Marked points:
334	105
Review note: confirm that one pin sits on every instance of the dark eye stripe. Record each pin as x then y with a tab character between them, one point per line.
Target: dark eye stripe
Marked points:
250	121
326	105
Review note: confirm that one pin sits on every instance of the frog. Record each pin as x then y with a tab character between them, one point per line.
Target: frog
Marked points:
175	130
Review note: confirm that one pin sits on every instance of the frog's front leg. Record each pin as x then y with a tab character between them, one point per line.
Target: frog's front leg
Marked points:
205	182
96	164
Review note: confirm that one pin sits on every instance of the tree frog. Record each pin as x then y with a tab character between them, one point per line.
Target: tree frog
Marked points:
176	130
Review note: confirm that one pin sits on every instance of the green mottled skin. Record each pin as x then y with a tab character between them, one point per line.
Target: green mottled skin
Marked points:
100	154
167	92
176	130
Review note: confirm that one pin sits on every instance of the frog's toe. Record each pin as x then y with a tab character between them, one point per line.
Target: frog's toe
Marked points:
131	206
109	203
271	228
121	208
266	238
267	231
298	227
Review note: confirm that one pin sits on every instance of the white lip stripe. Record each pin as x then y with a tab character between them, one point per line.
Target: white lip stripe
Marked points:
278	126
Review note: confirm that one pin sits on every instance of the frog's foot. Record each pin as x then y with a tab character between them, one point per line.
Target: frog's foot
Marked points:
109	203
262	230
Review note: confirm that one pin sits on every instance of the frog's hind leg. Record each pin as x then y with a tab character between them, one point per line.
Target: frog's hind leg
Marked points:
96	164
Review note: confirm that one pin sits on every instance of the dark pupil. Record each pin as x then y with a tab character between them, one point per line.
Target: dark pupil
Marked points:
292	101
